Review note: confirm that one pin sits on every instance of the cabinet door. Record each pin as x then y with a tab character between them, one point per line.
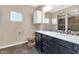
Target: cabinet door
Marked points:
56	49
47	44
51	46
49	40
38	41
64	43
66	51
75	47
43	41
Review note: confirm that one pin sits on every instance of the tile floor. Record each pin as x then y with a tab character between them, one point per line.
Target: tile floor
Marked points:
19	49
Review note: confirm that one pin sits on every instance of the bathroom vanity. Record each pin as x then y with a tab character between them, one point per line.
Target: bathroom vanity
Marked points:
48	42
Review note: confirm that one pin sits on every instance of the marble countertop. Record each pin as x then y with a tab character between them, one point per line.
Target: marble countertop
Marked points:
66	37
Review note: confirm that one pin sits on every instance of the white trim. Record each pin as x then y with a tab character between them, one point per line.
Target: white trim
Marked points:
66	22
13	44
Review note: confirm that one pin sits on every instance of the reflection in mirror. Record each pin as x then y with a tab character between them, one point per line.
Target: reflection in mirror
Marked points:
61	21
73	21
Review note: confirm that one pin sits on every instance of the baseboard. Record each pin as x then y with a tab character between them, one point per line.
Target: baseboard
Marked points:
13	44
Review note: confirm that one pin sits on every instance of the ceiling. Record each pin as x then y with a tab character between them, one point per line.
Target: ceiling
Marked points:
56	8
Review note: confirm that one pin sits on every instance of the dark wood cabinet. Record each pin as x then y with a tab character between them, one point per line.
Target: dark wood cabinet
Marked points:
64	50
38	44
47	44
51	45
63	43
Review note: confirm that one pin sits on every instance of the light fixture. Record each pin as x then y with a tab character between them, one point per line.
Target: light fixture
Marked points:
47	8
75	10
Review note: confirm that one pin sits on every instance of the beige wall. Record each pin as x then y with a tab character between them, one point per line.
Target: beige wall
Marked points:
9	31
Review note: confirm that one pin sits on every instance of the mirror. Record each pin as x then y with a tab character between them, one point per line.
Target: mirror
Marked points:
73	19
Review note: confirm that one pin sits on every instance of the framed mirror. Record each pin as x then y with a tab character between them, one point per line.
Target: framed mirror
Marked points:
73	19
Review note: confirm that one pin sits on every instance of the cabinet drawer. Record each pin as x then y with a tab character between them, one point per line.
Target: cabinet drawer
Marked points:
64	43
66	51
78	49
75	47
46	36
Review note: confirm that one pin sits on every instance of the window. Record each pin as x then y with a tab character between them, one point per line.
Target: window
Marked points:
54	21
46	20
15	16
